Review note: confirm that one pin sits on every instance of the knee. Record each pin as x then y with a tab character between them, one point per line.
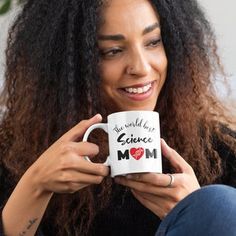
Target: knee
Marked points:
210	210
217	192
215	198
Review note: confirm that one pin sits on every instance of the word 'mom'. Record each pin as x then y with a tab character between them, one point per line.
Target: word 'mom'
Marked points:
126	154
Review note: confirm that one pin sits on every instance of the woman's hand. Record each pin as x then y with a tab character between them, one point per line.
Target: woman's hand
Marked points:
154	190
62	167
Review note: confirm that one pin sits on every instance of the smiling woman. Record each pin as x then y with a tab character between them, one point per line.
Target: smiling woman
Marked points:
133	60
68	60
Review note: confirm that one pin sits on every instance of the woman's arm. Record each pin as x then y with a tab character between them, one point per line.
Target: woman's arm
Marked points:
25	208
60	169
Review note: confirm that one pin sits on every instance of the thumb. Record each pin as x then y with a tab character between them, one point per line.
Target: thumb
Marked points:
79	129
180	165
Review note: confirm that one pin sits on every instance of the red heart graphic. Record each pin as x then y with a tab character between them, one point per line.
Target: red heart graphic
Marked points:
136	152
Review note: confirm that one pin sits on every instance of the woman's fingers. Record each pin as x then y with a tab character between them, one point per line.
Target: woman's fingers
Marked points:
72	181
180	165
73	176
69	188
165	191
78	130
154	207
143	186
161	180
73	161
85	166
161	192
63	168
80	148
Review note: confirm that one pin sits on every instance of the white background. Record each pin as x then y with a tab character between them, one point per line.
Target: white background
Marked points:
223	17
220	13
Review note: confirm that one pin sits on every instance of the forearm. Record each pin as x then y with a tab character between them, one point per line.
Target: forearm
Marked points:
25	208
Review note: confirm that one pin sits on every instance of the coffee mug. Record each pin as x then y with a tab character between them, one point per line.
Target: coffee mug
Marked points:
134	142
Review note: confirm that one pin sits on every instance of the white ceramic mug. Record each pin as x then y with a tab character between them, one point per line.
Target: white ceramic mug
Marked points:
134	142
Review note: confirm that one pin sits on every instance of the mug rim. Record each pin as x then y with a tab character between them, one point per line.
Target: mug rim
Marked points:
133	111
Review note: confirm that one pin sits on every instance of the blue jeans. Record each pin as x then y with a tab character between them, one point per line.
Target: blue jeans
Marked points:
209	211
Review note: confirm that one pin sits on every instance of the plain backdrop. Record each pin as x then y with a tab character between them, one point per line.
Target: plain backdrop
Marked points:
220	13
223	18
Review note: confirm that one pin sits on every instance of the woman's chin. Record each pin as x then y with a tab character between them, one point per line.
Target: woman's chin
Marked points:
137	108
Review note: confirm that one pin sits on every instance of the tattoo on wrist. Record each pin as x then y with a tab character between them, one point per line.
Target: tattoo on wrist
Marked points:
30	224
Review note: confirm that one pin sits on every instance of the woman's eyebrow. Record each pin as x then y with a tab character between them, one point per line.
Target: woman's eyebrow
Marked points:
115	37
150	28
119	37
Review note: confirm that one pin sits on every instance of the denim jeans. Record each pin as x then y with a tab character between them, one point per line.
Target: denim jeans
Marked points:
209	211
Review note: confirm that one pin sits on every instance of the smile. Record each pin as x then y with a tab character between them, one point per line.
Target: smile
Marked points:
138	89
138	92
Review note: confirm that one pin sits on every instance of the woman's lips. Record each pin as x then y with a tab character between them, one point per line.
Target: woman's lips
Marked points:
138	92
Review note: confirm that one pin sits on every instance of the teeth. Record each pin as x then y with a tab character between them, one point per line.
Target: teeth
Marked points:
140	90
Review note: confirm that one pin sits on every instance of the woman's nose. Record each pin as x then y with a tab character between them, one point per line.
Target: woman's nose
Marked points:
138	64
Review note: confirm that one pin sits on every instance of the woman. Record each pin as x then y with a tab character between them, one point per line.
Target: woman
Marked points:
69	60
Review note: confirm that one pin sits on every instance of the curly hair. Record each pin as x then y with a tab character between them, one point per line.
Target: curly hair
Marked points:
52	82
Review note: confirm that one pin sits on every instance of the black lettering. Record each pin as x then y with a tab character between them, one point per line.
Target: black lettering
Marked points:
119	140
129	140
151	154
124	155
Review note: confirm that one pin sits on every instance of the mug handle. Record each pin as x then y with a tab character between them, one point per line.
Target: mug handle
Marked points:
103	126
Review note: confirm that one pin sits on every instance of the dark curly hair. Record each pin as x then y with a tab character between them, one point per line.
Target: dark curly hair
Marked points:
52	82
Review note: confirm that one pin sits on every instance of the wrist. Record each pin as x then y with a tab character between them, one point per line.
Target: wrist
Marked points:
34	183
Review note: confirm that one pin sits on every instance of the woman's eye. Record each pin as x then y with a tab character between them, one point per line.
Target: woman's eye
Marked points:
154	43
111	52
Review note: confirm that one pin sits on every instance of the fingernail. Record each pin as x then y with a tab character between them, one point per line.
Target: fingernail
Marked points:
98	116
129	177
165	144
166	149
163	140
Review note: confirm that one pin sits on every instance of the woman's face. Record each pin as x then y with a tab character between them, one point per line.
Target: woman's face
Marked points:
133	62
